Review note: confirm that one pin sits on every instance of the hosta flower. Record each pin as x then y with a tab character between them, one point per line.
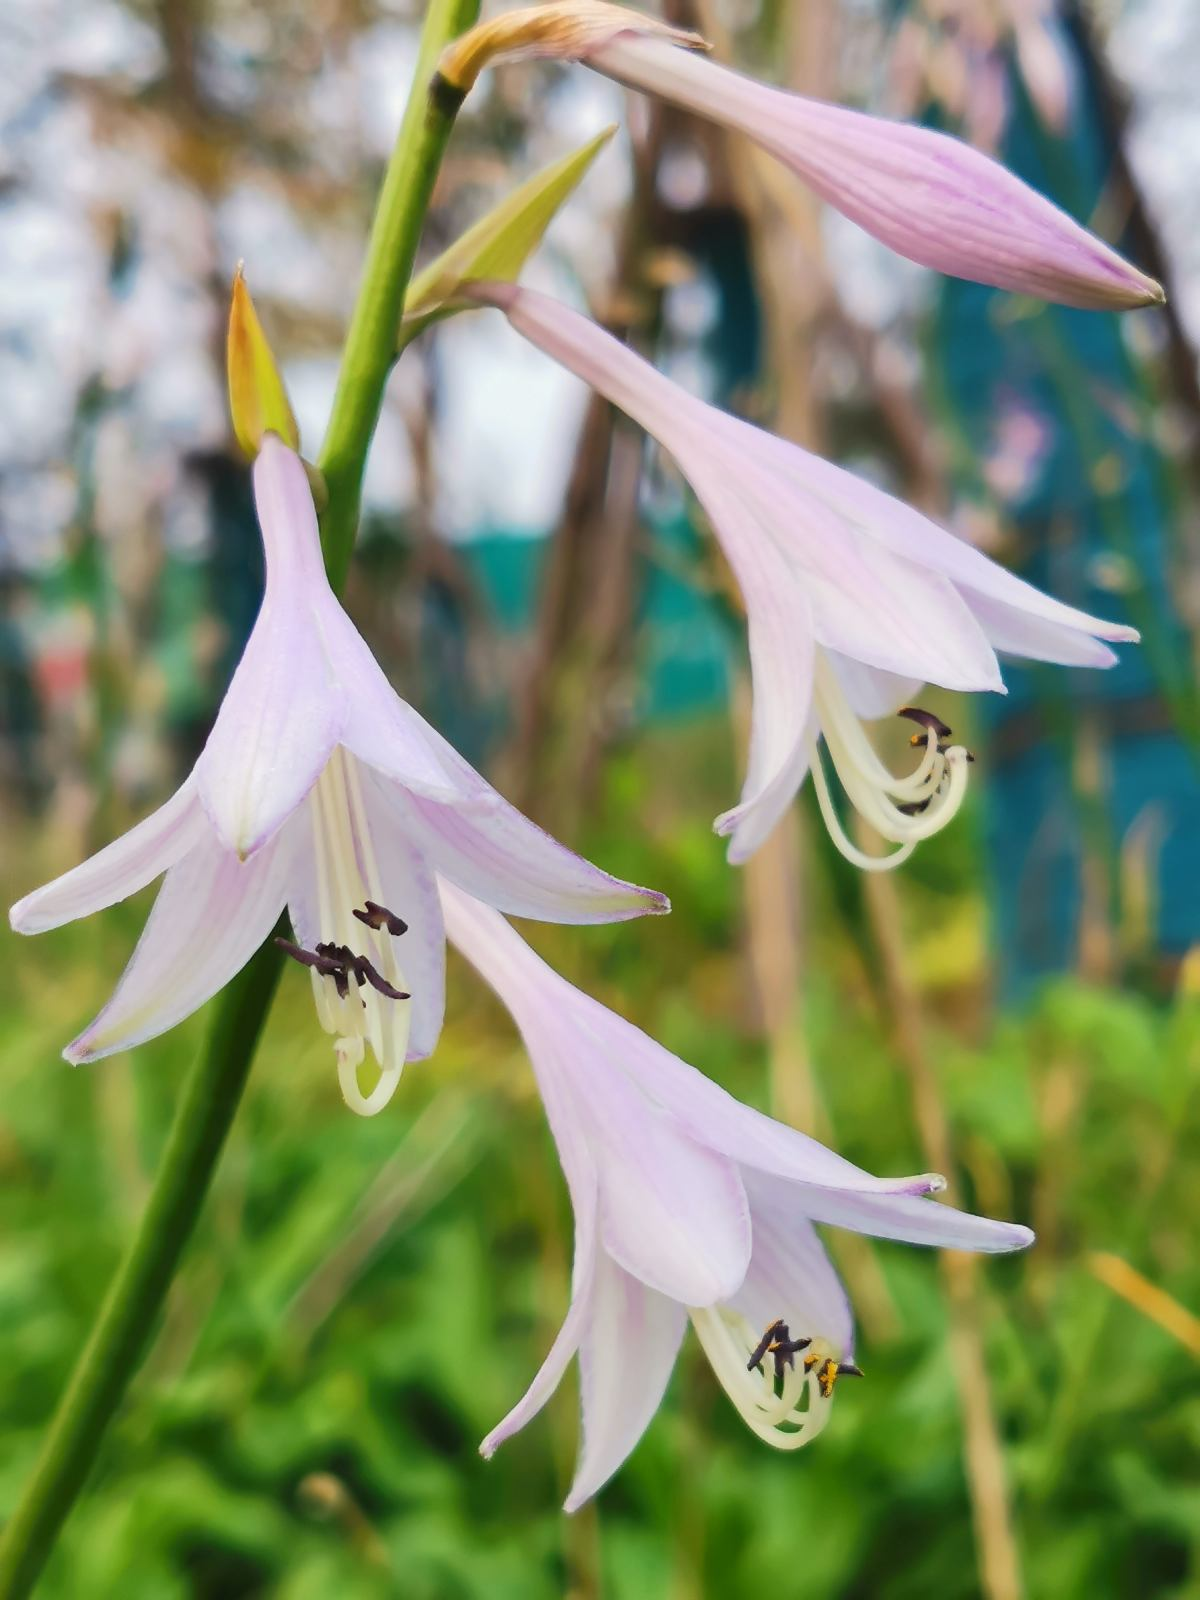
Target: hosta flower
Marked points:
853	601
688	1206
319	789
927	196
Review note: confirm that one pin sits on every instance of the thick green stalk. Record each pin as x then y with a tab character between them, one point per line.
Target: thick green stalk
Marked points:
214	1087
370	347
127	1318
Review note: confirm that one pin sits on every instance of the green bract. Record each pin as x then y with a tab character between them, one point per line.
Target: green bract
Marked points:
499	244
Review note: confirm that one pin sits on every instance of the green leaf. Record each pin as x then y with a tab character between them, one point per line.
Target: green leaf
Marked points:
499	244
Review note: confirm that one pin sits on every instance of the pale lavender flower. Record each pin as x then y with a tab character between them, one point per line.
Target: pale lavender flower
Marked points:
688	1204
319	789
926	195
853	601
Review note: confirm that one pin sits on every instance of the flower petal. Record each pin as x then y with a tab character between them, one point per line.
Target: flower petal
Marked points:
673	1212
500	956
671	1209
625	1361
282	714
408	888
120	869
869	600
574	1326
498	856
790	1274
212	913
715	1118
905	531
830	523
779	627
873	693
385	733
915	1221
1016	632
927	196
275	731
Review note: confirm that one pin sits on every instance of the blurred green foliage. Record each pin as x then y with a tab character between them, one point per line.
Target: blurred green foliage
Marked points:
365	1299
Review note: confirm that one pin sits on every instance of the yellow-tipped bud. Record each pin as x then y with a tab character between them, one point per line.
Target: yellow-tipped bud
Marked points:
258	401
564	30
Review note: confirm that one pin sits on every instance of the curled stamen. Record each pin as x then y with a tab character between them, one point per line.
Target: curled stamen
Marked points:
787	1406
927	720
778	1342
902	810
362	968
323	960
765	1343
358	953
376	916
339	962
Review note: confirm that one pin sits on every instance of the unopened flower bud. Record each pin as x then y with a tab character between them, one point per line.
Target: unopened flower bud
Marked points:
258	401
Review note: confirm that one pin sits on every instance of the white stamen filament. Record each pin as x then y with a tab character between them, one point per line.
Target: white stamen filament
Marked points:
348	876
786	1413
940	779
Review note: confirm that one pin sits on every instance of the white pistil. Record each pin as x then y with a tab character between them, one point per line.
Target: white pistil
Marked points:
348	876
937	786
787	1412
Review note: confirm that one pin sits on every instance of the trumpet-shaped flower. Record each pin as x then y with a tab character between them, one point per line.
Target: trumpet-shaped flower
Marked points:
688	1204
926	195
320	789
853	601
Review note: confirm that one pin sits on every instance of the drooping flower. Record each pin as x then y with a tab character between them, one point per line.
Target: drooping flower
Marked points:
926	195
318	788
853	601
688	1205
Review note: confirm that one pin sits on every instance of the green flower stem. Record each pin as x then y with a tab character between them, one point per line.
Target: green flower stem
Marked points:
370	347
214	1087
128	1316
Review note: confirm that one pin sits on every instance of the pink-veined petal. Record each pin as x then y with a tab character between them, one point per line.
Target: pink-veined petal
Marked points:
914	1221
867	600
1017	632
386	734
884	520
522	980
779	629
671	1209
895	616
281	715
499	955
496	855
275	731
122	868
212	913
715	1118
575	1324
790	1274
306	682
927	196
873	693
830	522
629	1348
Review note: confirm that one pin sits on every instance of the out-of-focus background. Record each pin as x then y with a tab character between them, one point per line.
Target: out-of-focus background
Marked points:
1018	1006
